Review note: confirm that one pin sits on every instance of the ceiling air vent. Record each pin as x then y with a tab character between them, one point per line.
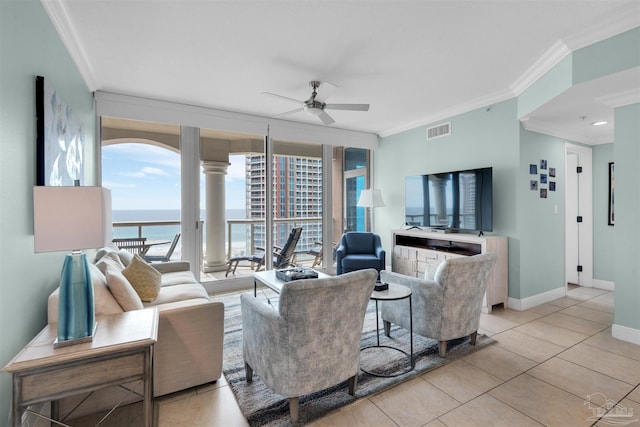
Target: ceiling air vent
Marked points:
443	129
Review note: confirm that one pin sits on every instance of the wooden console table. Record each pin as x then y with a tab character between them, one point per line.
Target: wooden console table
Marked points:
417	251
121	351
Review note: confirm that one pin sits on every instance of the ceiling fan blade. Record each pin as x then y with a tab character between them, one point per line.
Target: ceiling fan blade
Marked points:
350	107
326	119
285	98
286	113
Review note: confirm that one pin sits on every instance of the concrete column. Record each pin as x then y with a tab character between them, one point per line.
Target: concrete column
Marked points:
215	257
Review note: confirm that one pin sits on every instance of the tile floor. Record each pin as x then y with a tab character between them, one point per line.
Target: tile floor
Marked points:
552	365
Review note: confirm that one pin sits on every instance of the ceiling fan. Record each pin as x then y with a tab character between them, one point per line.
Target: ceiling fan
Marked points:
316	106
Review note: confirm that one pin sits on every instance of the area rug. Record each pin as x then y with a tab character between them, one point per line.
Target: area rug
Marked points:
262	407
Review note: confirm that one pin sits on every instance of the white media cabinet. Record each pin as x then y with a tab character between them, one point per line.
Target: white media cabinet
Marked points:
415	251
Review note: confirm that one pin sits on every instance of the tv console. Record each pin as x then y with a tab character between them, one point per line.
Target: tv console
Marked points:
417	251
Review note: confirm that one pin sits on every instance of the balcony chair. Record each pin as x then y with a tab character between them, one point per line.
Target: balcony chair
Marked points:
166	257
135	245
359	250
282	257
445	307
312	341
315	251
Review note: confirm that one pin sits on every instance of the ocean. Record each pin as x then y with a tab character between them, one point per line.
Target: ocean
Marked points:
167	232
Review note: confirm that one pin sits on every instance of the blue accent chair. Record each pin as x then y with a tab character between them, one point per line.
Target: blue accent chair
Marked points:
358	250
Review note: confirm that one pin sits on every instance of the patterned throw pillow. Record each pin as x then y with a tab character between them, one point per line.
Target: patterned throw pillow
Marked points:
145	279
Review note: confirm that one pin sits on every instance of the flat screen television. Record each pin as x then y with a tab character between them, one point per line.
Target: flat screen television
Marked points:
457	201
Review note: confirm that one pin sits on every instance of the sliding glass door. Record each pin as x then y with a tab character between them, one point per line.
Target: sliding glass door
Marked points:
355	180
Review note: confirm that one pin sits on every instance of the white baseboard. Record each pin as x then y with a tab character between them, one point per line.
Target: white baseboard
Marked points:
625	333
606	285
535	300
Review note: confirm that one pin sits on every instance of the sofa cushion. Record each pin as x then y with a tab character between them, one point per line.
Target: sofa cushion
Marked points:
176	293
178	278
122	290
144	278
358	261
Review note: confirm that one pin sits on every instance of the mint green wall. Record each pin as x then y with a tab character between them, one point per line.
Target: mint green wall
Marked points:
541	228
547	87
609	56
29	46
627	228
480	138
606	57
603	234
535	231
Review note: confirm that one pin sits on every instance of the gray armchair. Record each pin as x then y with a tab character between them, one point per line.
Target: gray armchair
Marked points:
359	250
446	307
312	341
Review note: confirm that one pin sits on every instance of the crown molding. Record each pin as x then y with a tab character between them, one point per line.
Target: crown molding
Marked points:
620	99
625	18
455	110
546	62
69	36
546	128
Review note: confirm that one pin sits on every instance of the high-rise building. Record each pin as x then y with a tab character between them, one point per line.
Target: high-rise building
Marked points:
296	193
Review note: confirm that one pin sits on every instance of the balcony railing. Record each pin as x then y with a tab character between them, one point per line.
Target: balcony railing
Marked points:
165	230
306	241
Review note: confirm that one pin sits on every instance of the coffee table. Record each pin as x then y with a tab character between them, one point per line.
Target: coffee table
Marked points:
394	293
268	278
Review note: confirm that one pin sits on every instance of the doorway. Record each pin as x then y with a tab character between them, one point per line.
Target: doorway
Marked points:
578	216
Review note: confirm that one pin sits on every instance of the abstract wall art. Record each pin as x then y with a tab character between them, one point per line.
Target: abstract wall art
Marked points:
60	139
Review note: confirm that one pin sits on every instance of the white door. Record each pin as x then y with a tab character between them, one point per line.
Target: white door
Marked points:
572	246
578	216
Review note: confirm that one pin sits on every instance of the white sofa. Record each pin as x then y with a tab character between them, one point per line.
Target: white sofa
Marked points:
188	352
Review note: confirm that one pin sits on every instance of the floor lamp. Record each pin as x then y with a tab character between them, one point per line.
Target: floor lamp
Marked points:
371	199
72	218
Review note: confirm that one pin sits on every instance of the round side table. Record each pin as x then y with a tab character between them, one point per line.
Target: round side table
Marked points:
394	293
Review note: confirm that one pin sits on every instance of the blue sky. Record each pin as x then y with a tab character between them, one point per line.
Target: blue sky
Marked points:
142	176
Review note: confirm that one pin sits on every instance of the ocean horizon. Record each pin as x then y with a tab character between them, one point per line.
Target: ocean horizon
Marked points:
167	232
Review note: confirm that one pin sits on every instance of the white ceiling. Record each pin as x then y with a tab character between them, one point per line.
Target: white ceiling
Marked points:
415	62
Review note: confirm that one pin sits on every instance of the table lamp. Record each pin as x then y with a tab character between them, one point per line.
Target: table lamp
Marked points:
73	218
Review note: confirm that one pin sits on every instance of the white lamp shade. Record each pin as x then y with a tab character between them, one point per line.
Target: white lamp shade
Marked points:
371	199
71	218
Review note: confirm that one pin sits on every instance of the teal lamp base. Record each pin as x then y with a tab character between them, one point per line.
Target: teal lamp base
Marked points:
76	310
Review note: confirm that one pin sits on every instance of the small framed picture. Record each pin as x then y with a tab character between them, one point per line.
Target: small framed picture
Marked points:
533	185
552	172
543	178
543	164
552	186
543	193
533	169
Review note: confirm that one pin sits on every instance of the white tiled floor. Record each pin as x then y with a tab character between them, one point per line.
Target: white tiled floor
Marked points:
546	363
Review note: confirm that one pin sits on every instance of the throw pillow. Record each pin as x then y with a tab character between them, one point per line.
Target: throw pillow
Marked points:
122	290
110	259
125	257
145	279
